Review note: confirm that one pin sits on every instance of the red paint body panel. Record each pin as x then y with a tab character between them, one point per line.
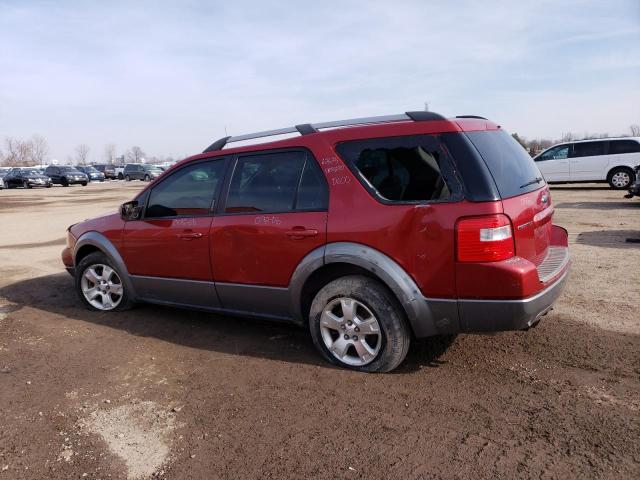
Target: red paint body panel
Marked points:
262	249
173	248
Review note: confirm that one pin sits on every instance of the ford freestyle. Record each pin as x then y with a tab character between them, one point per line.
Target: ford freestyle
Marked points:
368	232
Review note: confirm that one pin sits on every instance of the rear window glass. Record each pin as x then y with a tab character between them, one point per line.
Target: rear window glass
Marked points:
510	165
401	169
623	146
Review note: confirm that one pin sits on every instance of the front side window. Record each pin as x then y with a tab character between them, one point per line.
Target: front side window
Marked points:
189	191
623	146
401	169
556	153
588	149
270	182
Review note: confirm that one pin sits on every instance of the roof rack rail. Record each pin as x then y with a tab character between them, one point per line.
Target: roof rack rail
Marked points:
471	116
310	128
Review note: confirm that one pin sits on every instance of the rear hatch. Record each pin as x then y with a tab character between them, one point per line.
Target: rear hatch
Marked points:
524	193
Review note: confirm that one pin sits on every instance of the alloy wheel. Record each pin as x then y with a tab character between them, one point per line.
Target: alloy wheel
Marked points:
102	287
621	179
350	331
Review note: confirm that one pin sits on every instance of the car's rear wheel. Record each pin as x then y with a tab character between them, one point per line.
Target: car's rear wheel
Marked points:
84	184
357	323
147	178
127	178
64	182
621	178
99	284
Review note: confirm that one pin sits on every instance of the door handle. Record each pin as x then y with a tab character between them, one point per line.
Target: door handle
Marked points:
298	233
189	235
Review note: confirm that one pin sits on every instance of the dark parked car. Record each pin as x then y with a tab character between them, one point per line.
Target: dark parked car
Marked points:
634	189
93	174
27	178
139	171
368	232
109	171
65	175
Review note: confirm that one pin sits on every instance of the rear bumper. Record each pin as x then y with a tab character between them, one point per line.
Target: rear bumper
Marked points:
502	315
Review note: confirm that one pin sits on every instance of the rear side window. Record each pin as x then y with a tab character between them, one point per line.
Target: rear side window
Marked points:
401	169
588	149
511	167
623	146
276	183
187	192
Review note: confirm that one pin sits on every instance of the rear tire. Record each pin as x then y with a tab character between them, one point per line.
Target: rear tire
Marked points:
127	178
621	178
356	323
64	182
99	284
84	184
147	178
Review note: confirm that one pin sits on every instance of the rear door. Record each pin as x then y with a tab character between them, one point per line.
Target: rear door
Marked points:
525	195
168	251
554	164
275	213
589	161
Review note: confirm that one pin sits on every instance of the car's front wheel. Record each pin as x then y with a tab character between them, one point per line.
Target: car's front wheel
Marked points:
99	284
357	323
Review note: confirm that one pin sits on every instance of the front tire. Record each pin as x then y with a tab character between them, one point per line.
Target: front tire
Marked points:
99	284
621	178
356	323
147	178
127	178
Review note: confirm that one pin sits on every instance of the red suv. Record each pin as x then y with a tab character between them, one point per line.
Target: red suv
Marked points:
369	231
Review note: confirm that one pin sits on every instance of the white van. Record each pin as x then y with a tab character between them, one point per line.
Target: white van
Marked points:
604	160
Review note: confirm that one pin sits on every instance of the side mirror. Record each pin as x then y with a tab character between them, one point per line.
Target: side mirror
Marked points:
130	210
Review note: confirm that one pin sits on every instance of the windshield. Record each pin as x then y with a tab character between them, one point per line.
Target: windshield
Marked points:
29	171
89	170
69	170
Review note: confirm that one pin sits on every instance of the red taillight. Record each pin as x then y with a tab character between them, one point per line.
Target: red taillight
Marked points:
484	239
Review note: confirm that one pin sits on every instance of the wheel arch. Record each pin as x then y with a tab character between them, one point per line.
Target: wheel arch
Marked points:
333	260
621	167
96	242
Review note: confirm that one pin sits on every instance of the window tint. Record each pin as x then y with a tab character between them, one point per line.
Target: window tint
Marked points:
555	153
510	165
312	192
265	183
189	191
401	169
588	149
623	146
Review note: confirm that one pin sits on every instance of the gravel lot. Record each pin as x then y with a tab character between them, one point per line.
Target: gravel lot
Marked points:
158	392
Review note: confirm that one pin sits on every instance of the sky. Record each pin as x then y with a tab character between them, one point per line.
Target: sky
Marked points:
172	77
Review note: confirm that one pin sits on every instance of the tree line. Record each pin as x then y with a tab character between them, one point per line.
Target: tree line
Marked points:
537	145
35	150
18	152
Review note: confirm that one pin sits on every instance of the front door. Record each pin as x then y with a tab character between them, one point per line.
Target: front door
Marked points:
168	251
274	215
554	164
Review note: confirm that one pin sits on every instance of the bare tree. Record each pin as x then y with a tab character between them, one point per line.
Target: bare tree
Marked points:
135	155
635	130
39	149
110	152
567	137
19	152
82	153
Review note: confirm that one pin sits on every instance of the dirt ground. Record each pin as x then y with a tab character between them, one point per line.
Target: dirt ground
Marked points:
164	393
